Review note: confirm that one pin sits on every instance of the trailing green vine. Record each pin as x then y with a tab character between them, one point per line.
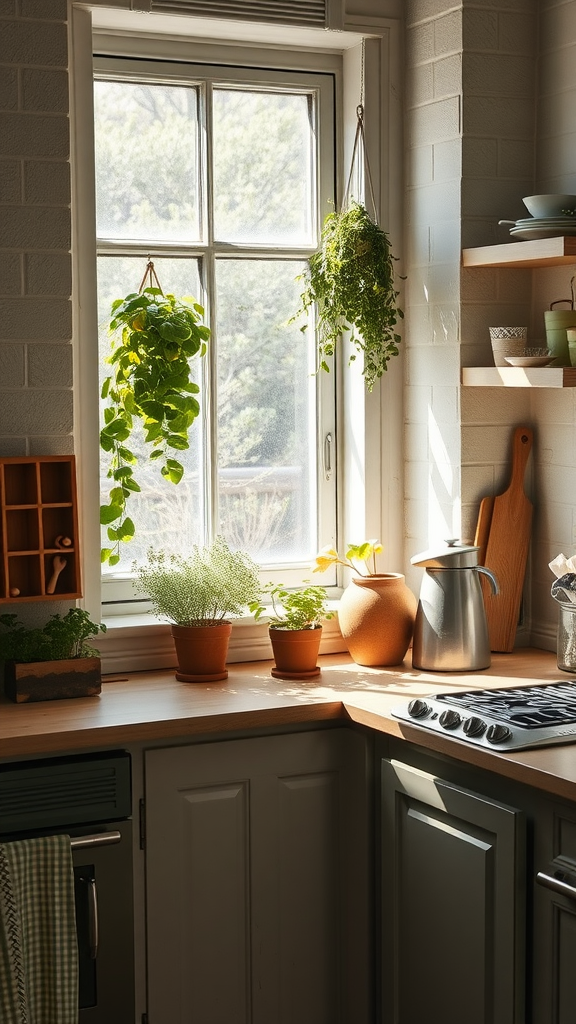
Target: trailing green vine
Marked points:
155	336
351	281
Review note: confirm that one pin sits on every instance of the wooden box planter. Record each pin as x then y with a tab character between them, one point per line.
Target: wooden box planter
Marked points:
52	680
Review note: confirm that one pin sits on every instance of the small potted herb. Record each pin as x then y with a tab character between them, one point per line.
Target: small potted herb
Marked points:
52	661
295	628
198	594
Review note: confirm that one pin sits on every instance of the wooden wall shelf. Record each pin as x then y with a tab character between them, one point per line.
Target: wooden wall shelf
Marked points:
519	376
40	556
540	252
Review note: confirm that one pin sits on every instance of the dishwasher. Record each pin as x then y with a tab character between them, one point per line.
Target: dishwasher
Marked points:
87	797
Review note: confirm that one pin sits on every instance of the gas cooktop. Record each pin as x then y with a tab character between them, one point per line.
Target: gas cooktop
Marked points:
510	718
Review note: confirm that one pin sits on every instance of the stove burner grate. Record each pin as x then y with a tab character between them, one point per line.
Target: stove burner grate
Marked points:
531	707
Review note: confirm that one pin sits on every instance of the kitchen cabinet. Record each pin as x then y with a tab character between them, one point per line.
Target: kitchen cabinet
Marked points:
554	934
257	880
453	902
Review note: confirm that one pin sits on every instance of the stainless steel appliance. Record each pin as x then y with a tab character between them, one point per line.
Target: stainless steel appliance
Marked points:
89	799
451	632
513	718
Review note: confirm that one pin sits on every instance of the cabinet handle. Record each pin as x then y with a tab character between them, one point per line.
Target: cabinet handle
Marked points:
556	885
92	918
99	839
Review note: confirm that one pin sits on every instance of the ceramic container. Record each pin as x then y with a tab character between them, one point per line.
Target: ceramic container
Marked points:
507	341
557	323
376	616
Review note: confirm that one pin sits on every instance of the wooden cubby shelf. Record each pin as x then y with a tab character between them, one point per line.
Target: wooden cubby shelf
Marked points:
40	558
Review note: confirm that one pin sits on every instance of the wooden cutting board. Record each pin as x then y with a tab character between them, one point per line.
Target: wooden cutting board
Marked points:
507	548
483	527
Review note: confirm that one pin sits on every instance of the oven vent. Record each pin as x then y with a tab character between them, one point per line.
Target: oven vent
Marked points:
281	12
64	792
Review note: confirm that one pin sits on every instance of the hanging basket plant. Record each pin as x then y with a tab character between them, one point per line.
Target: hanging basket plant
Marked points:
352	283
154	338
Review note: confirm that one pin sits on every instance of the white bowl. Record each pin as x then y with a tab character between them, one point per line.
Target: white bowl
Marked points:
549	206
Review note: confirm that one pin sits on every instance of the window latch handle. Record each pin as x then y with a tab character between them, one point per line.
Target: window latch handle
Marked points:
328	456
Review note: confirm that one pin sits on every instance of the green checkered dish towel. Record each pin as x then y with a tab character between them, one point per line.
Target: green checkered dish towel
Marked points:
38	946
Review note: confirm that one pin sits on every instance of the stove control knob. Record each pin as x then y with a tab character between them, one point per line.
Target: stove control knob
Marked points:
450	719
474	726
418	708
498	733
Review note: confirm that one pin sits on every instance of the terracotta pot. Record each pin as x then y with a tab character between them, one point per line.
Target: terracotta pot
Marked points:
295	652
202	651
376	616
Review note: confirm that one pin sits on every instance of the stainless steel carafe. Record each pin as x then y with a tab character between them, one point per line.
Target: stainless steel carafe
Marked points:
451	632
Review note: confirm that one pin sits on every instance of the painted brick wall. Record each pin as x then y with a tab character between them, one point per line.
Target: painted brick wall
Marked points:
517	135
433	244
36	411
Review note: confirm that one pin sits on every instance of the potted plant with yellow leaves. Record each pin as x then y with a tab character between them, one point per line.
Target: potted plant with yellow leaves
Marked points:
377	610
295	628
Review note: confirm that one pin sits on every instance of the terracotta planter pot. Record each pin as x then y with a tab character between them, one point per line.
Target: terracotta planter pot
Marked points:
376	616
202	652
295	652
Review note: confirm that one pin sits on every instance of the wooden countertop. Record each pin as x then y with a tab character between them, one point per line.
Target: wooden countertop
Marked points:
154	706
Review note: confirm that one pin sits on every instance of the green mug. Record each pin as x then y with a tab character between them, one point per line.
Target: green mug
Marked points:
571	336
558	322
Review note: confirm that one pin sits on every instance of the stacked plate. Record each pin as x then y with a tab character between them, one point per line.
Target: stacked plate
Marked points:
542	227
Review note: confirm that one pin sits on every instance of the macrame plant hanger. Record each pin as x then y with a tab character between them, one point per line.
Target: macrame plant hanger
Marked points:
359	149
150	276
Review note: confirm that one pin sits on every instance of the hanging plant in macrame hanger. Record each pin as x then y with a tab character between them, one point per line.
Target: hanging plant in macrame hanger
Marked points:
154	337
351	280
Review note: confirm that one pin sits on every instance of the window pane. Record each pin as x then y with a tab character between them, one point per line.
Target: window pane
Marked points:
166	515
146	161
266	412
263	167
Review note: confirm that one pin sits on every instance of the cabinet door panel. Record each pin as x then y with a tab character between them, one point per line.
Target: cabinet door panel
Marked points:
554	952
303	948
257	881
452	903
198	907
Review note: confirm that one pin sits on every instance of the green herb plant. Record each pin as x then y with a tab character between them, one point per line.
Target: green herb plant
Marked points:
62	637
294	609
154	338
206	587
351	281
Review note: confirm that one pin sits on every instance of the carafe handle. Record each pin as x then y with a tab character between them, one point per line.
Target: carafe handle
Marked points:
487	572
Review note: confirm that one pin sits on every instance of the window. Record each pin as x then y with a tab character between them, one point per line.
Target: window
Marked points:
222	175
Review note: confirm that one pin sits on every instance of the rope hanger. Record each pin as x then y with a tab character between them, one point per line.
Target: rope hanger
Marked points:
150	275
359	150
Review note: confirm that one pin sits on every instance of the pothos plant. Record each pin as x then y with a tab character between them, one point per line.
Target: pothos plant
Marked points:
154	338
351	281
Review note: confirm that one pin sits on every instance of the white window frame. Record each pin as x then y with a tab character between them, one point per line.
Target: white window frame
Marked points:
369	428
118	595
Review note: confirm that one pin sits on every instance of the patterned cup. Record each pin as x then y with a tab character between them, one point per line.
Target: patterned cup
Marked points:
507	341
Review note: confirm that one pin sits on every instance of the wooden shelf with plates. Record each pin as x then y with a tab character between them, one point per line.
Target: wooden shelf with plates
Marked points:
541	252
519	376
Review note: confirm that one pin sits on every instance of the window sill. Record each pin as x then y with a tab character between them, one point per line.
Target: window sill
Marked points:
138	643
